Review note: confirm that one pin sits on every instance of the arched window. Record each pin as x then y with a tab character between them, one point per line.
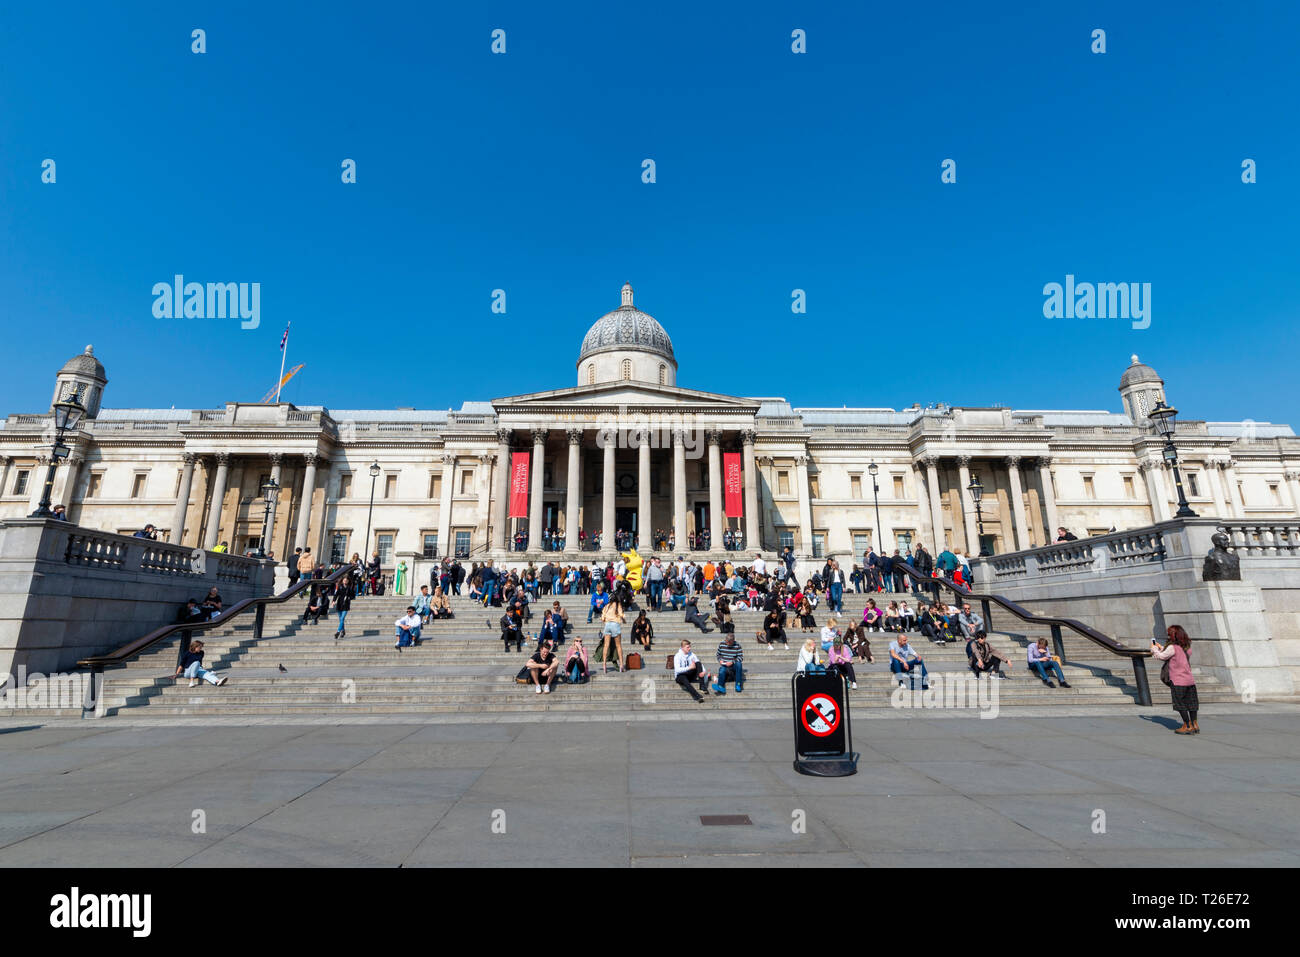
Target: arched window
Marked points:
591	373
663	374
627	368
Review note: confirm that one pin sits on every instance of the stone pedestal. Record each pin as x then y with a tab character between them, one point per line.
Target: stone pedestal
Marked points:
1230	634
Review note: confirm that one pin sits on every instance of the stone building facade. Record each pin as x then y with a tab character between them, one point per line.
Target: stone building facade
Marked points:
626	447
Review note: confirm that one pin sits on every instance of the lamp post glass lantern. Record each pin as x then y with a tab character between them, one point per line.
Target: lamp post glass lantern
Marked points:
1162	417
873	470
67	416
976	489
269	492
374	475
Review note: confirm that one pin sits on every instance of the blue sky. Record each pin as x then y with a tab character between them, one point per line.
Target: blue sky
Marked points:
775	171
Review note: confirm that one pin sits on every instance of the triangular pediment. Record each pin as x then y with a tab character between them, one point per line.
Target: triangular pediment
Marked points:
628	394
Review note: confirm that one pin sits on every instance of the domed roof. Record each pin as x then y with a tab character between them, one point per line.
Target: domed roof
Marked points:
85	364
627	328
1138	373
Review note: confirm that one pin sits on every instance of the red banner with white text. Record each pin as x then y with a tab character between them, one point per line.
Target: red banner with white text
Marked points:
519	485
731	485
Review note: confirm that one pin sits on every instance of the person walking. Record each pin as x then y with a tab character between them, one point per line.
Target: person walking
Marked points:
1176	654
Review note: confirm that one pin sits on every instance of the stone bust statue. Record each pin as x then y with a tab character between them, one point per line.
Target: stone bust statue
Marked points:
1221	565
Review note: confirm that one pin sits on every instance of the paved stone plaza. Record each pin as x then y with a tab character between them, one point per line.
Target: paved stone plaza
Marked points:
933	789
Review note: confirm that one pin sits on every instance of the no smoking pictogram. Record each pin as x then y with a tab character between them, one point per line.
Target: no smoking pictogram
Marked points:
820	715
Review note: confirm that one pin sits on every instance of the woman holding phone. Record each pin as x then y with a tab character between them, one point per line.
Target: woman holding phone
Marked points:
1177	654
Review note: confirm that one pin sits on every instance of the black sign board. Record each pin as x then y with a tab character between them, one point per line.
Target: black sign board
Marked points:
823	743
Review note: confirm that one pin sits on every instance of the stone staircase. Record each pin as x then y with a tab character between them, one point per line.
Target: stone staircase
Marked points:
462	668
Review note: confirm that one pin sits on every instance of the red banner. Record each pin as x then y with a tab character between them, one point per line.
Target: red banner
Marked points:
731	485
519	485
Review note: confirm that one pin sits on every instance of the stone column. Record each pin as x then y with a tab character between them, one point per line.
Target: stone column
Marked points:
805	505
304	507
924	524
573	491
277	476
535	514
1235	507
714	438
1049	498
183	499
1159	507
608	491
679	488
5	462
445	545
213	533
939	541
967	507
1216	488
501	506
1018	502
1292	484
644	520
71	470
36	483
753	529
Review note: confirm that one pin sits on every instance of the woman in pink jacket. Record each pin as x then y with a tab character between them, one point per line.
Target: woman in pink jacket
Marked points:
1178	653
576	665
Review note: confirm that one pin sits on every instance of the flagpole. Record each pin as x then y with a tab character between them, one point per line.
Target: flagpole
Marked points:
284	351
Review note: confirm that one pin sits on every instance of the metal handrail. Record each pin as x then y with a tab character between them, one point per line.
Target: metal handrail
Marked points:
97	663
1137	655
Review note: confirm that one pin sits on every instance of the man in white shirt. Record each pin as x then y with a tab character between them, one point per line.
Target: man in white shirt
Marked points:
408	629
903	660
687	668
758	566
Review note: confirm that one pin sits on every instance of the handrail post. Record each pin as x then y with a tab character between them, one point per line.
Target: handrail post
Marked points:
94	689
988	617
1058	642
1140	675
258	619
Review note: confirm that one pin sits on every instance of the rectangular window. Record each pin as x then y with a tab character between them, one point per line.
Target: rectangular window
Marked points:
384	542
96	480
786	537
390	486
1129	490
819	544
1241	493
462	544
783	483
137	484
467	482
861	542
1273	491
345	485
20	482
1088	490
814	486
435	486
855	486
431	545
898	486
1193	486
339	547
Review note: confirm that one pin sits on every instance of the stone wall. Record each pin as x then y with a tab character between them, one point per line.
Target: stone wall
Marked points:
68	592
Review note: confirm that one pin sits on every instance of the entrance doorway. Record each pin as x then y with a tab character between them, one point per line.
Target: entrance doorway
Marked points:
701	510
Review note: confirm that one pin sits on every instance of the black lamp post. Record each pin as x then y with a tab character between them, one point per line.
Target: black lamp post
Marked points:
873	471
269	491
374	475
67	415
976	489
1162	416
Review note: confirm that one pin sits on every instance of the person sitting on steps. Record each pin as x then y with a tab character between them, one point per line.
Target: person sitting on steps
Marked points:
903	660
687	668
576	665
694	617
191	667
511	633
543	666
1043	663
408	629
983	659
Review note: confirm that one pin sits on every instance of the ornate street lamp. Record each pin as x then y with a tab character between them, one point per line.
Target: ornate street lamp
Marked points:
873	470
1162	417
269	492
374	475
67	416
976	489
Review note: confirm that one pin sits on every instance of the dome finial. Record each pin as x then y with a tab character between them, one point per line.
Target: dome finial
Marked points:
1134	357
627	294
90	350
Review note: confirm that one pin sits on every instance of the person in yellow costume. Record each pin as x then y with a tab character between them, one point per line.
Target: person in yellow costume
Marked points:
633	576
